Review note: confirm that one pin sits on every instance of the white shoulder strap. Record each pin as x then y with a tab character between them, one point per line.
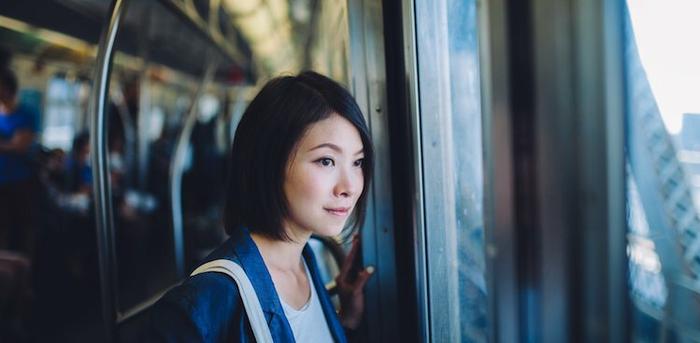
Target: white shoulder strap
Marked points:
250	299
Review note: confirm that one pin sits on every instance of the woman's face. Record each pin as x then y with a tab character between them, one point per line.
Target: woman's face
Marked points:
324	178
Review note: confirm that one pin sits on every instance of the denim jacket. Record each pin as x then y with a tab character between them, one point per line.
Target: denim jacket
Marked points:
207	307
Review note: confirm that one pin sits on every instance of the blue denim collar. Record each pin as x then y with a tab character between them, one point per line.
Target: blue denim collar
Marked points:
252	262
246	253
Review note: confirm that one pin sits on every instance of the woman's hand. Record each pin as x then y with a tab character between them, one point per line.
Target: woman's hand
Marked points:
351	288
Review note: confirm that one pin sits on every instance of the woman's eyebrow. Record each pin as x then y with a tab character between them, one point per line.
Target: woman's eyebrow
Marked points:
333	147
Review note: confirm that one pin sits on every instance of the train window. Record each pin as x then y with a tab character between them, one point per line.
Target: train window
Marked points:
451	139
664	168
64	111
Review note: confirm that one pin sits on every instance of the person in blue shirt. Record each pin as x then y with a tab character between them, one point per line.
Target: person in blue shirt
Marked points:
300	164
18	183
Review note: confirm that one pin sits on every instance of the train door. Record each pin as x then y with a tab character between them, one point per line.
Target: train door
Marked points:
436	71
514	119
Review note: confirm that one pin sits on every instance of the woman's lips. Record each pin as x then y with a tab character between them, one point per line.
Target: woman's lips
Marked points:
338	211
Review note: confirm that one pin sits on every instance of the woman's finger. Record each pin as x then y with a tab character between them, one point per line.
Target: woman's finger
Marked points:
347	264
362	278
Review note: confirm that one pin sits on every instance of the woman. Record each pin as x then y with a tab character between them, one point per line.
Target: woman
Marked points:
300	164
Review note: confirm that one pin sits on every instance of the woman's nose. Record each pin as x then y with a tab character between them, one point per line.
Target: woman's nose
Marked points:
348	183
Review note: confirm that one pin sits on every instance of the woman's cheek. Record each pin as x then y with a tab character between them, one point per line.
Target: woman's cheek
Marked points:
310	182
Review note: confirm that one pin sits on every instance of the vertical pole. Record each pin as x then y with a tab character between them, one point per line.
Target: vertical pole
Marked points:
176	171
100	173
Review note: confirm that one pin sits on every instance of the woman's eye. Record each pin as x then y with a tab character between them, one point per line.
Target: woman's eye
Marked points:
359	162
326	162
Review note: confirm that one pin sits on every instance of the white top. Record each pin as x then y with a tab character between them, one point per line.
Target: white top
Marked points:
308	323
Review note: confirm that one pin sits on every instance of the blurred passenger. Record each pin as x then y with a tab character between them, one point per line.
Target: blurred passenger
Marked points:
78	182
54	173
78	165
122	136
18	183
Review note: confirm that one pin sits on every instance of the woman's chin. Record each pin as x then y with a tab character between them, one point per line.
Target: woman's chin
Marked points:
330	231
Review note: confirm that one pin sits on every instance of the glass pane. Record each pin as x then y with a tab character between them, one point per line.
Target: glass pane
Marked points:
451	125
663	148
468	168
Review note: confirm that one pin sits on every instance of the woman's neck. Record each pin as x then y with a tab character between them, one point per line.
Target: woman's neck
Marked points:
281	255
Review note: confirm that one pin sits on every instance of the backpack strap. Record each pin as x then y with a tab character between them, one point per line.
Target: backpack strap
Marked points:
250	299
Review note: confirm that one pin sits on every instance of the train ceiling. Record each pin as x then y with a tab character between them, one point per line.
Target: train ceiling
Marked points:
250	39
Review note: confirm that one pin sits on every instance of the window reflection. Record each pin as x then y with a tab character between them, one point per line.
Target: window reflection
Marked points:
664	245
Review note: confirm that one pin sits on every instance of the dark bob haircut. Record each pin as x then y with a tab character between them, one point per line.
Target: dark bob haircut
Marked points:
266	136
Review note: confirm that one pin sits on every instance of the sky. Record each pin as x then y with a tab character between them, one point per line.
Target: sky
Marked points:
668	38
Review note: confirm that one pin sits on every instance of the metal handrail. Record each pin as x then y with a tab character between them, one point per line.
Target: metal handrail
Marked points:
176	172
100	172
143	306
